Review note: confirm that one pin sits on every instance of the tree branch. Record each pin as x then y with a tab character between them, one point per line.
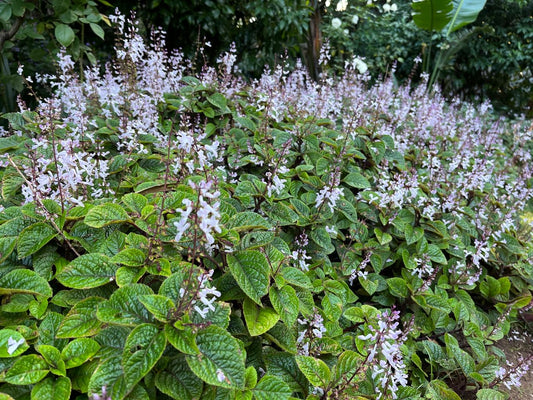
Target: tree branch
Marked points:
6	35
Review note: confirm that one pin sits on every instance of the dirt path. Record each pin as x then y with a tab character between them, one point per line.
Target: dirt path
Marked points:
518	346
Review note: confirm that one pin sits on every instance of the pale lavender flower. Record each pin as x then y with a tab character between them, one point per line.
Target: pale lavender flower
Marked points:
206	295
331	192
208	214
182	225
221	377
512	375
424	267
314	328
385	355
360	270
300	255
13	345
103	396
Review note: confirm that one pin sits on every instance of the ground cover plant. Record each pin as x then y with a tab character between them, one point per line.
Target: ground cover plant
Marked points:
173	236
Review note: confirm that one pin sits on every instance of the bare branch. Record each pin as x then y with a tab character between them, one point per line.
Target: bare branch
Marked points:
6	35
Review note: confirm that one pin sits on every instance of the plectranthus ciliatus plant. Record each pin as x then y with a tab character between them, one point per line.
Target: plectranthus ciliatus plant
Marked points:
166	234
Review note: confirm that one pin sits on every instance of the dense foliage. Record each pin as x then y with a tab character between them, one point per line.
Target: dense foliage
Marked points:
32	32
263	32
496	61
170	236
489	58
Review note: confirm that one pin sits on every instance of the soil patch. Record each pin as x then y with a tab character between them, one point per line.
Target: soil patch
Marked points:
518	346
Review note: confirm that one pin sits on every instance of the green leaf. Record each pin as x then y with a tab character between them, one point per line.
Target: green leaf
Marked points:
246	122
106	374
284	366
27	370
124	307
144	346
52	389
250	378
184	340
178	381
347	209
160	306
357	181
332	306
131	257
81	320
369	283
438	303
245	221
382	237
258	319
432	15
64	34
300	207
221	359
490	394
37	308
33	238
438	390
11	185
413	235
135	201
296	277
285	302
12	343
219	316
78	351
281	214
478	347
436	255
254	240
87	271
172	286
465	361
283	337
398	287
219	101
251	272
322	166
48	330
9	233
53	357
24	281
105	214
464	12
322	238
271	388
5	11
348	363
97	29
354	314
315	370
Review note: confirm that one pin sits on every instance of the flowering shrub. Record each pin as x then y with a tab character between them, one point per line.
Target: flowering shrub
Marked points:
170	236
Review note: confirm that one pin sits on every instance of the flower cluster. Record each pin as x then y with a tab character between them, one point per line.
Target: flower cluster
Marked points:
330	193
511	375
388	368
206	213
300	254
59	170
360	271
314	329
206	295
